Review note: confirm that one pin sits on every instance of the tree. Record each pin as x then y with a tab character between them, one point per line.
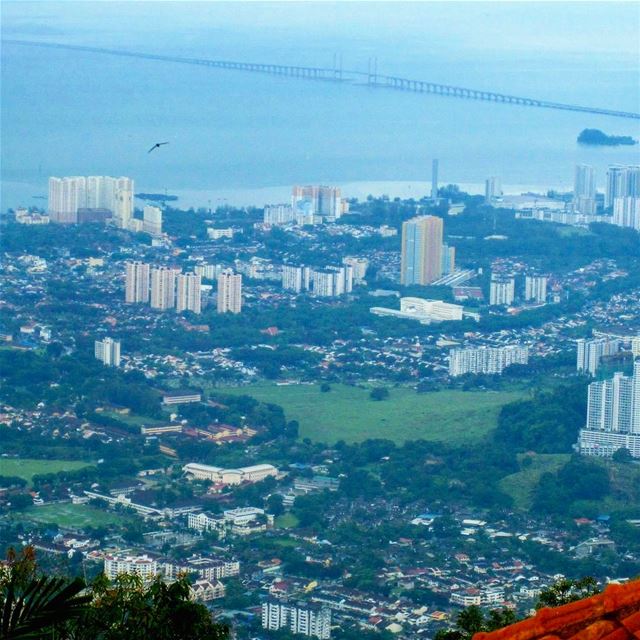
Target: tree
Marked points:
379	393
129	609
325	387
622	455
564	591
31	606
472	620
274	504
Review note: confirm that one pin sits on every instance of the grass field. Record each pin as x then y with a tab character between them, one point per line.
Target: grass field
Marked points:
286	521
27	468
347	413
132	419
73	515
521	484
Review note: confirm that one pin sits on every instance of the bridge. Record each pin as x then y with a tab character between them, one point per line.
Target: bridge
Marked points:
340	75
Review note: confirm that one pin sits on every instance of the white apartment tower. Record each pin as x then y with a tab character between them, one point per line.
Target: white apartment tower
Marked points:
300	618
279	214
492	189
229	292
584	189
613	416
591	352
486	360
66	196
163	288
152	220
622	182
502	290
626	212
136	282
108	352
188	293
535	288
296	278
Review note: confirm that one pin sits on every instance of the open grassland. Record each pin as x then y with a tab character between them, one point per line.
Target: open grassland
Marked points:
520	485
132	419
74	516
27	468
349	414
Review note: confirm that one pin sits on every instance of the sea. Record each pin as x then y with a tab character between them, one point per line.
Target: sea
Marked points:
238	138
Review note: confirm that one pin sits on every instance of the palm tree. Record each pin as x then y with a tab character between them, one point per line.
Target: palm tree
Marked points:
30	606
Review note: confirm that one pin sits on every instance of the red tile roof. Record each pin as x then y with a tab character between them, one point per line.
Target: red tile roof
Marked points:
611	615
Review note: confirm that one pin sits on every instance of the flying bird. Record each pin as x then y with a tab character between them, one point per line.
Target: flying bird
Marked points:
157	145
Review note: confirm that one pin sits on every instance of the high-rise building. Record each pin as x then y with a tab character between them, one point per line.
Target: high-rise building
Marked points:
318	201
421	260
613	416
208	271
229	292
152	220
486	360
492	189
502	290
301	618
163	288
434	179
535	288
622	182
68	195
188	293
332	281
626	212
635	346
108	352
296	278
448	259
591	352
359	266
584	189
278	214
136	282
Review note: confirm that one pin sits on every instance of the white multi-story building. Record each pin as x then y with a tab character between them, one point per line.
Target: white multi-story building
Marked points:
359	267
613	416
591	352
332	281
66	196
318	201
229	292
219	475
108	352
208	271
136	282
425	311
216	234
296	278
203	568
535	288
279	214
152	220
584	189
622	182
163	288
486	360
626	212
502	291
144	566
492	189
635	346
188	293
302	618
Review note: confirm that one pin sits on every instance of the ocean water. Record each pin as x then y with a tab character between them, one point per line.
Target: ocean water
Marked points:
240	138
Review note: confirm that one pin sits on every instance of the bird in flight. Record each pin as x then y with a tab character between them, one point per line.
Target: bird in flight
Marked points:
157	145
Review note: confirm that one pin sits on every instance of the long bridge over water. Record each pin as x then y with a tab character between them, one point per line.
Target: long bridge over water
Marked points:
334	74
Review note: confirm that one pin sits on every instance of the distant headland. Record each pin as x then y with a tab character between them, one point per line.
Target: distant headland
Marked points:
599	138
156	197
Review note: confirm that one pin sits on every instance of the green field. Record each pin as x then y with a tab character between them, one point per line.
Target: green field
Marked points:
286	521
521	484
75	516
347	413
132	419
27	468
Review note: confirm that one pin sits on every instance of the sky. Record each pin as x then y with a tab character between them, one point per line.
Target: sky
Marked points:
580	28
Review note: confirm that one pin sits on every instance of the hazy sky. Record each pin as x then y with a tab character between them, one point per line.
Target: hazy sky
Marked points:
489	27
